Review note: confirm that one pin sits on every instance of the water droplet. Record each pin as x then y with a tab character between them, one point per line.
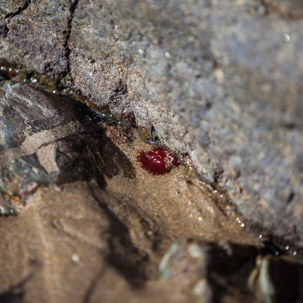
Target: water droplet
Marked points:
75	258
242	225
260	236
141	51
200	219
286	247
189	202
167	54
286	37
34	80
294	253
10	69
54	91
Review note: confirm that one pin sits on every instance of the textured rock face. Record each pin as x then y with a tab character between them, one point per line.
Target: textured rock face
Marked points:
265	144
44	50
205	74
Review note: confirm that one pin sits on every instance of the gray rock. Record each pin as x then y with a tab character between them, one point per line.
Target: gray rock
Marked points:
219	80
48	140
43	50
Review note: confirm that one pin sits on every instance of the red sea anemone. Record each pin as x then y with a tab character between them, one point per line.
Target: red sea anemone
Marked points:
158	161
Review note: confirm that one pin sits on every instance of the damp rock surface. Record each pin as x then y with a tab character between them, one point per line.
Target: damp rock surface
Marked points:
203	75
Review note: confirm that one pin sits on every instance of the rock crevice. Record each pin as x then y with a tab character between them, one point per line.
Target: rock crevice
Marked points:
72	9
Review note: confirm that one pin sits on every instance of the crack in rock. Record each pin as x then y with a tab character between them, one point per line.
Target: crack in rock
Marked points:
4	28
19	10
67	33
